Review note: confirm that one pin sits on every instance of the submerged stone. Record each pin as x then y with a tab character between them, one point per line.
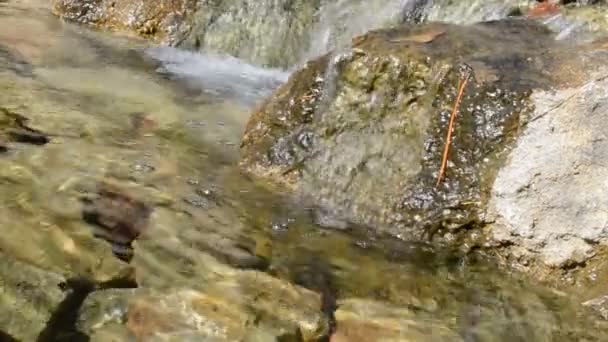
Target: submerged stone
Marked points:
242	306
119	218
361	320
12	61
14	128
29	296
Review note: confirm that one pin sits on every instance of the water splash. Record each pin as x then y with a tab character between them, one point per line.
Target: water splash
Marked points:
467	12
218	75
341	20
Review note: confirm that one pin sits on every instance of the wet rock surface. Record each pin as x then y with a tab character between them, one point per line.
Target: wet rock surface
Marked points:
15	63
258	308
599	305
119	218
272	33
253	30
14	128
363	320
157	18
362	133
29	295
217	256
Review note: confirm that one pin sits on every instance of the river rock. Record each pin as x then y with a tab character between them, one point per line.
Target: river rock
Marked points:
360	320
599	305
286	32
30	297
548	202
361	133
265	32
156	18
213	263
248	306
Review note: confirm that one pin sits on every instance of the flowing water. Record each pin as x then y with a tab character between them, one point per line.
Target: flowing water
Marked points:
339	21
86	88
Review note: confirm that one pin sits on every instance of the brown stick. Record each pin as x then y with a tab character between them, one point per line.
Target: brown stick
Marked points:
448	140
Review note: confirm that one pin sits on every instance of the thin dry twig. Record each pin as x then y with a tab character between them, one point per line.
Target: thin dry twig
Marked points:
448	141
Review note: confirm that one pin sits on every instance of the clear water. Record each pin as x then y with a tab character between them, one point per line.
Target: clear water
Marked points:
84	86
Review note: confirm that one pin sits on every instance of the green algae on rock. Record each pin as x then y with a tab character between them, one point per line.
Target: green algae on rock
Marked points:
195	257
236	308
265	32
154	18
548	204
29	297
361	133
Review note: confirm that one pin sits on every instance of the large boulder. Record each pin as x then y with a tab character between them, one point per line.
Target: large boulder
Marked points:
361	134
30	298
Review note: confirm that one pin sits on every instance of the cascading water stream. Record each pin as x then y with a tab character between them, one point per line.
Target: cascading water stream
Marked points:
337	22
218	76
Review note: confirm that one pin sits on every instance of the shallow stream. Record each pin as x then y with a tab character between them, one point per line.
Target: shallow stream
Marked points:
167	124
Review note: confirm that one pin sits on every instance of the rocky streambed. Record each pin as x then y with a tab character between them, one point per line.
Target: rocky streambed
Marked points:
155	194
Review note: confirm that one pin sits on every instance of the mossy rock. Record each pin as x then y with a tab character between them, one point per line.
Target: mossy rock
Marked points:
361	133
29	297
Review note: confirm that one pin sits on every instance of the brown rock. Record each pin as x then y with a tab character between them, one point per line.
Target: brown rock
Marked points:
152	18
119	218
14	127
361	320
144	319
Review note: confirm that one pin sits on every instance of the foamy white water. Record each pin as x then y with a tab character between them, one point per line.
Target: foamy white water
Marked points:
219	75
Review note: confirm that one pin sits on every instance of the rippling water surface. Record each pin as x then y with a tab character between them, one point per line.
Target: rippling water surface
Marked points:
91	91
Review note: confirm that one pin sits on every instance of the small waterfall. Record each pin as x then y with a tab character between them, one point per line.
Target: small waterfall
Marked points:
336	23
218	75
341	20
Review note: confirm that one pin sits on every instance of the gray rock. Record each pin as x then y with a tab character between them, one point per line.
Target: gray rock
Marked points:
377	116
549	200
361	320
266	32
